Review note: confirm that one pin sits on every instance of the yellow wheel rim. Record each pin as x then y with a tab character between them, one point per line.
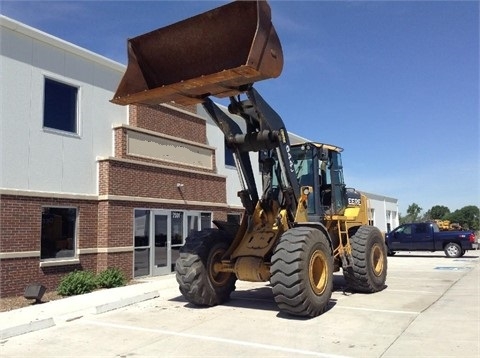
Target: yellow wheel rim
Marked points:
377	259
318	272
217	278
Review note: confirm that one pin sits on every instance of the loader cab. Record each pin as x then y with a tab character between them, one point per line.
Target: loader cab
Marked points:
320	166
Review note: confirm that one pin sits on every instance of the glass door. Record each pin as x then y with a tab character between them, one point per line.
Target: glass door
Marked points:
193	223
141	259
178	235
162	260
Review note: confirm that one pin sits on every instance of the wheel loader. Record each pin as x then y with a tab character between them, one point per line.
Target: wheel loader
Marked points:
304	224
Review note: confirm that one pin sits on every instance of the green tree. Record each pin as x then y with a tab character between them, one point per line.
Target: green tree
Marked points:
439	212
427	216
468	217
414	211
413	214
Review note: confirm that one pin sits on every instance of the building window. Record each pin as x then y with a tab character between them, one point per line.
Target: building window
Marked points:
234	218
205	220
58	232
371	217
60	106
229	160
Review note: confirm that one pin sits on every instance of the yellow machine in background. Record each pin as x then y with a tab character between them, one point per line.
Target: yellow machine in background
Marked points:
304	223
446	225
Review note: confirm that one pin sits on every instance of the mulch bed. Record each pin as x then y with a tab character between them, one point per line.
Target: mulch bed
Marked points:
14	302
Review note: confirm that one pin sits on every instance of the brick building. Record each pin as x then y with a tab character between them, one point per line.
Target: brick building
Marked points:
106	186
86	184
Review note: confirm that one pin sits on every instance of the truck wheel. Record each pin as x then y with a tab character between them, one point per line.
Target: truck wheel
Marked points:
195	273
302	272
369	267
390	252
453	250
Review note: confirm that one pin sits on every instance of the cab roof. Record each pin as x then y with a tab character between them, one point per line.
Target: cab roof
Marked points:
321	145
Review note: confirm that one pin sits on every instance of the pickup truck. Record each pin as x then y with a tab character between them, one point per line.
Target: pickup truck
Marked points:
428	237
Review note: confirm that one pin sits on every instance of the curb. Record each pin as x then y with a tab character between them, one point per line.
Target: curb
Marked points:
126	302
26	328
49	322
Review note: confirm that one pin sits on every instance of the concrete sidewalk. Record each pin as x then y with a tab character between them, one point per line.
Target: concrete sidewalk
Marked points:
48	314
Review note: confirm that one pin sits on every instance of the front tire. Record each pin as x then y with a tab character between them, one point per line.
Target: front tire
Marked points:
302	272
198	282
368	272
453	250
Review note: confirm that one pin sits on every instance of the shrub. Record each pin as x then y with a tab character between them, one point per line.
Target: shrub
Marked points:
77	283
111	277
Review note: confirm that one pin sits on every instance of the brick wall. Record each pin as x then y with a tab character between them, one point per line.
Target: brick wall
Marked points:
17	274
169	121
134	179
117	224
103	224
120	260
21	225
20	231
120	137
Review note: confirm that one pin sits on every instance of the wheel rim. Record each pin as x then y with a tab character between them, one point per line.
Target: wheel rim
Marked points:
452	250
318	272
377	260
218	278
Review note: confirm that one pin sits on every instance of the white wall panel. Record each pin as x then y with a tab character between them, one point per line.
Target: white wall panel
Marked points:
48	58
105	115
14	116
79	69
215	138
16	46
79	168
44	160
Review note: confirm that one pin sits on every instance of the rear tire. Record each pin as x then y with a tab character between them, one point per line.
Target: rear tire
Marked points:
195	274
453	250
302	272
369	268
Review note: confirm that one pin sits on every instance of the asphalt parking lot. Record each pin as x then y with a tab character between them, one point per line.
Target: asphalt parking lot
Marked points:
431	308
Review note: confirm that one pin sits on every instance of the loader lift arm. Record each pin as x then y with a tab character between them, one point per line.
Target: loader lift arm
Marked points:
265	131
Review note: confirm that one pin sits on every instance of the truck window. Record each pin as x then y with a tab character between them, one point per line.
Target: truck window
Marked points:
404	229
421	229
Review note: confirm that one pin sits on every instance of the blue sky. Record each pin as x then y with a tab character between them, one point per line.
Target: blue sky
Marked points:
395	83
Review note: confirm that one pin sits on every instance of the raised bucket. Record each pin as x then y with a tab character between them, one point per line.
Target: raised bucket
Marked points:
215	53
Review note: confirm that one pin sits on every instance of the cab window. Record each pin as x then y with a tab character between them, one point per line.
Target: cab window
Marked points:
421	229
407	230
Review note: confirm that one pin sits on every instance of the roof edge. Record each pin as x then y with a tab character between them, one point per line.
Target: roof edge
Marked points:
39	35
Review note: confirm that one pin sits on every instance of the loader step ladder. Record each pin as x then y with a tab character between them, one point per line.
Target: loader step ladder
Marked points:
344	249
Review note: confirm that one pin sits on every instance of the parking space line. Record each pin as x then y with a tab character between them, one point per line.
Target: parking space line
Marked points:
215	339
425	279
411	291
377	310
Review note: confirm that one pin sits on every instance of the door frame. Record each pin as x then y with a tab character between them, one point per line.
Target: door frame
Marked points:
154	269
171	250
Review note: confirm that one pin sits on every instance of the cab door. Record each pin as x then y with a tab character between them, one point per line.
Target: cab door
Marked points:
401	238
422	237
